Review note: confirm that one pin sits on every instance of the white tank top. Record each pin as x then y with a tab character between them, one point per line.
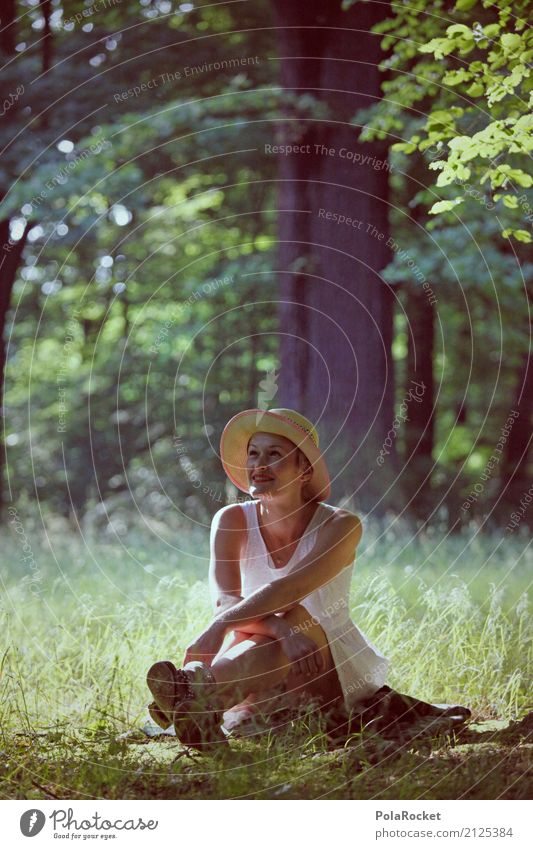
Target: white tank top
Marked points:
361	667
330	602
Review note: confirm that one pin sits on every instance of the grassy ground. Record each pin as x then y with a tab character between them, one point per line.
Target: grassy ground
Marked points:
84	621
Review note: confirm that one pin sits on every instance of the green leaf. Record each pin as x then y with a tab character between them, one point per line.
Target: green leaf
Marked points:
462	172
404	147
520	235
503	173
440	118
475	90
464	5
460	29
511	43
460	143
444	205
440	47
456	77
447	176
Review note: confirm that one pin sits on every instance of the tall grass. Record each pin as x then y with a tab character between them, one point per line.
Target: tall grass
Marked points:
451	613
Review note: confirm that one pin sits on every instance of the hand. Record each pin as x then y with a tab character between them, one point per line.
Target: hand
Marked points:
303	653
207	645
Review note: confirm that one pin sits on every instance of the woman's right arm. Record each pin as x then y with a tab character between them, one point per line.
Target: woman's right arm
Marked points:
228	529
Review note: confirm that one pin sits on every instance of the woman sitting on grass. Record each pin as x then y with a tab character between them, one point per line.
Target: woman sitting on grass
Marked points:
280	574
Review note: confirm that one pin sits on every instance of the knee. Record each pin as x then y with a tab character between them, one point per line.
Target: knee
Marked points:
300	619
302	622
240	655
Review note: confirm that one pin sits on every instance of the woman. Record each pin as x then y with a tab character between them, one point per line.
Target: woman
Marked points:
280	574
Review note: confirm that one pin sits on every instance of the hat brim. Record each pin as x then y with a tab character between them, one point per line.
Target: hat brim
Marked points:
234	444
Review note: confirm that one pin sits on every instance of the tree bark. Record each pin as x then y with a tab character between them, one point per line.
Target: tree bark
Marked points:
419	384
10	256
515	477
420	398
46	9
10	252
8	29
336	314
515	471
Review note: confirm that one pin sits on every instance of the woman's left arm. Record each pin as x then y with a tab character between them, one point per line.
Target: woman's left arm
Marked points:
334	551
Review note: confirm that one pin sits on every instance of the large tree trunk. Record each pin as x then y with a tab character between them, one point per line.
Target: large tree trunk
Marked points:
515	479
420	399
336	313
515	472
8	30
419	390
10	256
10	252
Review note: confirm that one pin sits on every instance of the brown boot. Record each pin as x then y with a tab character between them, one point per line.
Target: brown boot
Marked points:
158	716
187	698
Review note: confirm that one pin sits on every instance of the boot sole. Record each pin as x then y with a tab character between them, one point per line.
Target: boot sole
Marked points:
159	717
174	698
163	683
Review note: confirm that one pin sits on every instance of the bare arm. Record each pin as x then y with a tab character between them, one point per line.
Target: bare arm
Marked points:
333	552
269	626
227	530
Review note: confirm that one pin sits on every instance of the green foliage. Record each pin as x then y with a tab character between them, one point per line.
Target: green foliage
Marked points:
458	88
141	250
121	291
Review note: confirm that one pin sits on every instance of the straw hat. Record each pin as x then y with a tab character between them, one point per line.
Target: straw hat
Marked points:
282	422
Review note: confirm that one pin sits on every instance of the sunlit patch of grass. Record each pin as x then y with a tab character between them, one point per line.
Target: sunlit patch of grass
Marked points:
452	615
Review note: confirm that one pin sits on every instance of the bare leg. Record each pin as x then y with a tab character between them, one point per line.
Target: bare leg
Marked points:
257	664
254	702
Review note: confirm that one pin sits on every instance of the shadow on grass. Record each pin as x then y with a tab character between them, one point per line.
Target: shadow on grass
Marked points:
297	761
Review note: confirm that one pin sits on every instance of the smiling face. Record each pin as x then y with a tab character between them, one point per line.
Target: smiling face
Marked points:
275	465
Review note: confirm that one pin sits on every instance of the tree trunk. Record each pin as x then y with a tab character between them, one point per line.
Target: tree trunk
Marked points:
10	252
515	478
419	390
336	314
10	255
46	9
419	397
515	472
8	29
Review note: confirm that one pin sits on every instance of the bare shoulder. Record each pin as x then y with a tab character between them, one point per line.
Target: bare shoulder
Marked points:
228	532
229	518
343	523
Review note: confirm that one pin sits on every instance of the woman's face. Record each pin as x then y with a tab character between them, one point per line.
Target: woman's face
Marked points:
273	465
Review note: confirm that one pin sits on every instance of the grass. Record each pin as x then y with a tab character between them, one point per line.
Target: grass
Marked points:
83	625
